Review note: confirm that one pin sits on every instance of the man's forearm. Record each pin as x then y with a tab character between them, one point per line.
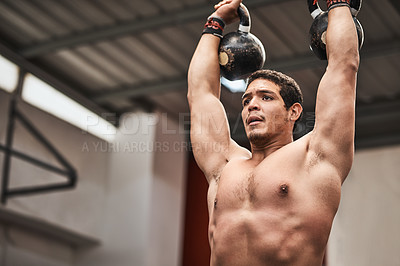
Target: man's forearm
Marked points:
204	72
342	40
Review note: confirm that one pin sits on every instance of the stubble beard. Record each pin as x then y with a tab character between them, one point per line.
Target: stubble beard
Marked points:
258	139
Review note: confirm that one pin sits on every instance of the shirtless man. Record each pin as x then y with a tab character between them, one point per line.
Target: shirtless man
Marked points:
274	205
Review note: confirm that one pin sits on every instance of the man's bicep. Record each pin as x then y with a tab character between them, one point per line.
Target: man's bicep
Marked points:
209	133
335	106
333	133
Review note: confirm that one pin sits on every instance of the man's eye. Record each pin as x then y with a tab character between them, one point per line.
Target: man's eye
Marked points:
265	98
246	102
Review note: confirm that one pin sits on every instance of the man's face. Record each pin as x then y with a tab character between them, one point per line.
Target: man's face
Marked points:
264	114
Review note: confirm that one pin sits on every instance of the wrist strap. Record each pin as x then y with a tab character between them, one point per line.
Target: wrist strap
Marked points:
336	3
215	26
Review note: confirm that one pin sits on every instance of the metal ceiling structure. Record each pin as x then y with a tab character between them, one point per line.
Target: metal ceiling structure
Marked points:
123	55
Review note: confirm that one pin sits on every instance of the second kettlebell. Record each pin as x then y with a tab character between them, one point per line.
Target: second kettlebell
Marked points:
319	26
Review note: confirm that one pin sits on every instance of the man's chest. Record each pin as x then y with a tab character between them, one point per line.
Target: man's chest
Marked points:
240	183
280	185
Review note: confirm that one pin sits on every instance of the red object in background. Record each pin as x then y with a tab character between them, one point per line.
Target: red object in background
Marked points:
196	250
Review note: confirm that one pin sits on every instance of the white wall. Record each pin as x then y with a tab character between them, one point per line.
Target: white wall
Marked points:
168	195
144	211
127	209
366	229
61	207
78	209
129	195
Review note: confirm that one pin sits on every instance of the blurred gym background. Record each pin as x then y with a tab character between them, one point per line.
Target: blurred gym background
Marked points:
95	158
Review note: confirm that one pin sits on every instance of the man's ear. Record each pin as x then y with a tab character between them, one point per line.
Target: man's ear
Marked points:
295	111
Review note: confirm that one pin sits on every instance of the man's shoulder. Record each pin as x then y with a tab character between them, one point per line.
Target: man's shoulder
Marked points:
298	147
234	154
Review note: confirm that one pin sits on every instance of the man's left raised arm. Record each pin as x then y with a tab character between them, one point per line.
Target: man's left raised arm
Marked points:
333	135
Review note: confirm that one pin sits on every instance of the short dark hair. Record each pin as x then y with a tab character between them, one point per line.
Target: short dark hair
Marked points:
290	90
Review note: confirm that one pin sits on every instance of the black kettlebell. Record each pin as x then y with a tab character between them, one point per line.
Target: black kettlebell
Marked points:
241	53
320	24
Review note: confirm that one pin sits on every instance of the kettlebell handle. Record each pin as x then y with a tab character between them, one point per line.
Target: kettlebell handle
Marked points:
245	21
314	8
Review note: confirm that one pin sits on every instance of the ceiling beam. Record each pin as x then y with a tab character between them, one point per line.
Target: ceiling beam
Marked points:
131	27
305	61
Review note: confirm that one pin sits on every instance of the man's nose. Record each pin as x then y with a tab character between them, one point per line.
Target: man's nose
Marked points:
253	105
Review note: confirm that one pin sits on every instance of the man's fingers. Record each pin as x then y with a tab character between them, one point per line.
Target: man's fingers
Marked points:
227	10
222	3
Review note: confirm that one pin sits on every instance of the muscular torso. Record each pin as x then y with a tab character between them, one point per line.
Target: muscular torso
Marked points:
275	212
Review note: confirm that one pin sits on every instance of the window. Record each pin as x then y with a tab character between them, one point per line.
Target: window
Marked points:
234	86
45	97
8	75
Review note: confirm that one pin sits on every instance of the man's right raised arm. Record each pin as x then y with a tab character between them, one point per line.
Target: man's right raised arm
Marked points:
209	130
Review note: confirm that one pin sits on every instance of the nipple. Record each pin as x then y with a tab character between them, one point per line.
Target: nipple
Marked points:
284	189
215	203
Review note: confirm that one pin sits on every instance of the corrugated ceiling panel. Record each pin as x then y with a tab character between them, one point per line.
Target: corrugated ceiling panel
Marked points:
388	77
135	72
308	80
14	36
42	20
289	35
174	102
297	13
142	8
107	64
393	62
75	67
188	37
373	25
183	39
262	22
142	67
116	9
140	49
121	104
168	5
388	15
194	2
382	84
21	25
62	15
369	86
108	69
232	103
167	49
89	11
297	16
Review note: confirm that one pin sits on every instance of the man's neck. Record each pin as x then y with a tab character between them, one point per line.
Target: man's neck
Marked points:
260	152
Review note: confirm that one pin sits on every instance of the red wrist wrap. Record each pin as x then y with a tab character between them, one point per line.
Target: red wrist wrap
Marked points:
214	26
